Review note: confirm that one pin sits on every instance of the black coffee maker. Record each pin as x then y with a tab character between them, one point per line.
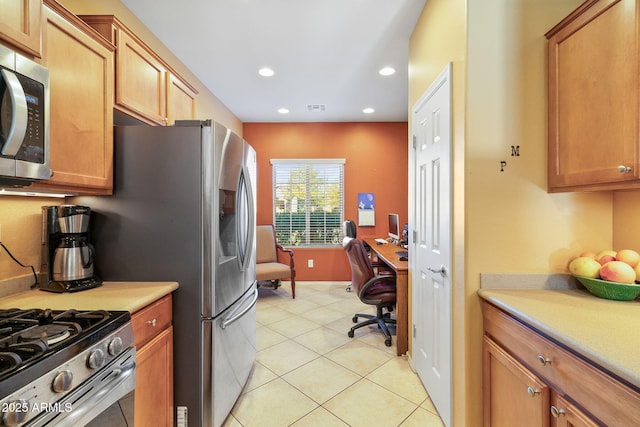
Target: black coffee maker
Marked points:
67	254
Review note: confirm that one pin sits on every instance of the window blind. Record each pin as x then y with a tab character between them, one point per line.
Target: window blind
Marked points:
308	201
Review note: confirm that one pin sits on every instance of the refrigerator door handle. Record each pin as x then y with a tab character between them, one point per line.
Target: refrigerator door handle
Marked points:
245	199
234	315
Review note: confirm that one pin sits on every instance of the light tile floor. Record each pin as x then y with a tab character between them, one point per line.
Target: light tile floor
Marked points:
309	373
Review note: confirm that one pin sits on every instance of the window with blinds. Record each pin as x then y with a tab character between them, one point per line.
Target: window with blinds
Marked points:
308	201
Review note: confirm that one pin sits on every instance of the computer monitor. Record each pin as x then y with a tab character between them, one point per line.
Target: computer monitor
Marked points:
394	226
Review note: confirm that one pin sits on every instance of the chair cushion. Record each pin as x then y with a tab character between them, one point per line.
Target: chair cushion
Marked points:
272	271
383	290
265	244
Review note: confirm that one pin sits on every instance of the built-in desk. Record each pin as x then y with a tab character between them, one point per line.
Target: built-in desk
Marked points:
387	254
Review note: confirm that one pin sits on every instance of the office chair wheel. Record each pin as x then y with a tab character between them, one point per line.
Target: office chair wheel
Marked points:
355	319
387	342
350	334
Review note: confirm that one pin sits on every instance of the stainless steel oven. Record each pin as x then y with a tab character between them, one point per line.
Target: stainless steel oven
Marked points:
65	368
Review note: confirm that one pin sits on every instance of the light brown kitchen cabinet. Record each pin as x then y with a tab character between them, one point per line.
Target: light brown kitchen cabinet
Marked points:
81	77
181	100
20	24
153	333
566	414
593	97
514	396
147	88
573	391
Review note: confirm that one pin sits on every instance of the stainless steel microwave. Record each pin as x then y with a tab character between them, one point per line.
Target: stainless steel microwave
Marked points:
24	120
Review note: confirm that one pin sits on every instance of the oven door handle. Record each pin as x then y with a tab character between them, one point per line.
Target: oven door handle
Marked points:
116	378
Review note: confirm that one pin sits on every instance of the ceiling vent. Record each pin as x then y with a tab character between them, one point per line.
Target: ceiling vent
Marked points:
316	108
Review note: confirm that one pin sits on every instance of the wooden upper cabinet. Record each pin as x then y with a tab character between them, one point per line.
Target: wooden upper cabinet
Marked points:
142	80
147	88
20	22
593	98
81	80
181	100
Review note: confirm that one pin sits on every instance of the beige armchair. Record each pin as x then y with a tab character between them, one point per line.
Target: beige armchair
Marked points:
268	268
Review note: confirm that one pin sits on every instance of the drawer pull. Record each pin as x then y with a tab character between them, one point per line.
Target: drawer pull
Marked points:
556	412
151	322
624	169
532	391
544	361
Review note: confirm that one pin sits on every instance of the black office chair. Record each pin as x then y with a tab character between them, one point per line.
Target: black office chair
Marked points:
372	289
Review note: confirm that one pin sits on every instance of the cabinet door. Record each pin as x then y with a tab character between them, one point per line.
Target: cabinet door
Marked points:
513	396
81	105
593	97
154	382
20	24
566	414
181	100
141	83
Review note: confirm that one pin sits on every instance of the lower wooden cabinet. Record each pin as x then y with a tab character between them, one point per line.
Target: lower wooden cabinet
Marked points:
566	414
514	396
530	380
154	364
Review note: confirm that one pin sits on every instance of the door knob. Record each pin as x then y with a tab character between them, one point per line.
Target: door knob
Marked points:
442	270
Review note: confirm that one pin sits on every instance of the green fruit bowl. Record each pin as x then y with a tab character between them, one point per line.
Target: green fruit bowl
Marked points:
610	290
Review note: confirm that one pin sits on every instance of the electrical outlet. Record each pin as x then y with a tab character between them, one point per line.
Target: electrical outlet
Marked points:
182	417
310	263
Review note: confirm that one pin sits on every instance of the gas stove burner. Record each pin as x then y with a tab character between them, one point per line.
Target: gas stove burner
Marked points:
9	360
37	336
51	334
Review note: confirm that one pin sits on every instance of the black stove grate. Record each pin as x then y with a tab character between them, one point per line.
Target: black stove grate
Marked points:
36	340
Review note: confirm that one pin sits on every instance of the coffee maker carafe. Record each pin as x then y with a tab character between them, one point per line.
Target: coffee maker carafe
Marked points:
67	255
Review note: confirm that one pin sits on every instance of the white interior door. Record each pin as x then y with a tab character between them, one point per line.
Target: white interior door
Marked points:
431	256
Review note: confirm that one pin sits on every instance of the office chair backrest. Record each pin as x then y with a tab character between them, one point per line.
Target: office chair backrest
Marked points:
349	228
361	270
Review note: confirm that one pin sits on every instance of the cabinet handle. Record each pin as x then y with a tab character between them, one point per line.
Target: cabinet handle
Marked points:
624	169
532	391
151	322
544	361
556	412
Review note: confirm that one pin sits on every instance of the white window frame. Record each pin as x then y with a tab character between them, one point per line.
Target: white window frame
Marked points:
280	203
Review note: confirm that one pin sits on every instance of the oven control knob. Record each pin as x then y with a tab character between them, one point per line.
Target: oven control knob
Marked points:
62	381
115	346
95	359
15	412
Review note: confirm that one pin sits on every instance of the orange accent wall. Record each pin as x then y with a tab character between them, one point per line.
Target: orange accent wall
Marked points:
376	161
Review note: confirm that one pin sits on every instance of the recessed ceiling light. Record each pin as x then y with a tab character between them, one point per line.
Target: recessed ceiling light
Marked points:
266	72
368	110
387	71
283	110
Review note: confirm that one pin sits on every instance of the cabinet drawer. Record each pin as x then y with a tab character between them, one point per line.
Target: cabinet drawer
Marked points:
151	320
604	397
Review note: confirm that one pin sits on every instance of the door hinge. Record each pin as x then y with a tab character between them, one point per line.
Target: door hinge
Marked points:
414	330
415	138
415	236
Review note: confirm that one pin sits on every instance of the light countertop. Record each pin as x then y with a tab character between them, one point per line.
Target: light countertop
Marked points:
604	331
128	296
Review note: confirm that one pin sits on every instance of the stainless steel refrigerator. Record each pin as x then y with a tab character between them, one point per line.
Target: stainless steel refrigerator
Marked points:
183	209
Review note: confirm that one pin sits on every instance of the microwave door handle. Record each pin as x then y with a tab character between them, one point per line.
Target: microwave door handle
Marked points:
19	113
